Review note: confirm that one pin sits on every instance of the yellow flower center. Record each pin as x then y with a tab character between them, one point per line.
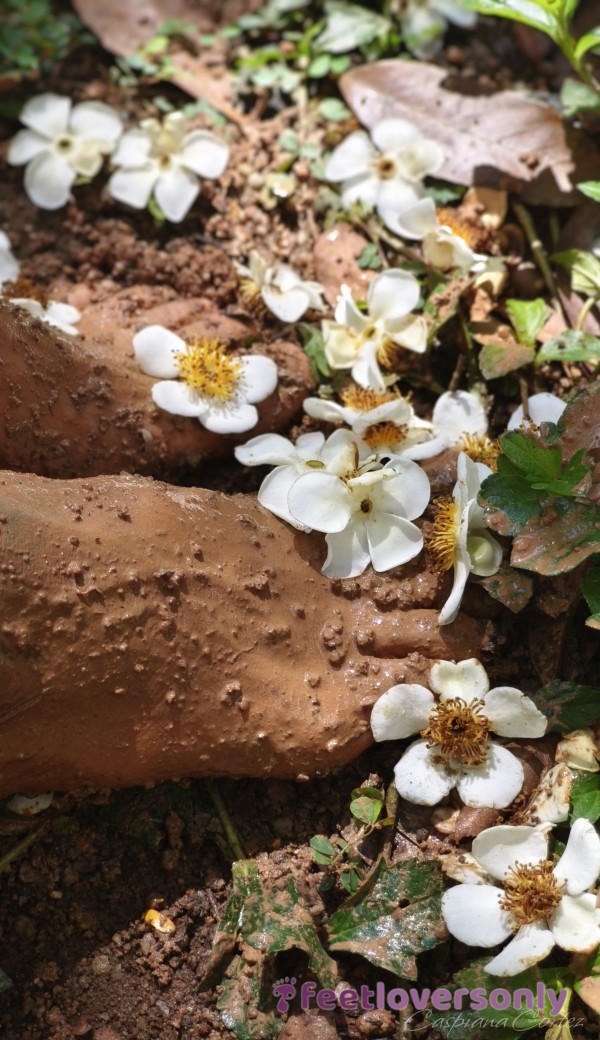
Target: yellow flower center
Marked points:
480	448
384	167
459	730
206	368
531	893
384	434
441	543
365	400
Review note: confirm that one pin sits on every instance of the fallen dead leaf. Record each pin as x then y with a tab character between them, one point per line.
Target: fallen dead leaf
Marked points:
502	141
336	256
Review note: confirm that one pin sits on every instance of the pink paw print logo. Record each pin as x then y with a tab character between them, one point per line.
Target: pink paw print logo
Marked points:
285	989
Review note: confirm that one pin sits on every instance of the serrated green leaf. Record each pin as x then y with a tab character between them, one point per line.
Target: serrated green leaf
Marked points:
388	934
587	43
529	12
568	706
535	461
527	318
584	268
562	537
509	491
590	587
572	345
578	97
585	798
591	189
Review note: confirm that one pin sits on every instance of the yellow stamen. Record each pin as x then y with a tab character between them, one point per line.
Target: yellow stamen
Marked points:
388	354
251	295
206	368
459	730
531	893
384	434
441	543
365	400
480	448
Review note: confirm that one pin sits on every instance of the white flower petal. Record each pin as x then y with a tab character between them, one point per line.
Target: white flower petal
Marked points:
579	865
422	160
132	150
287	306
473	914
397	196
512	714
495	783
531	944
392	541
451	607
9	266
63	313
347	553
155	349
95	121
32	306
133	186
421	777
392	135
268	449
309	446
457	413
274	490
48	114
366	371
335	448
411	333
485	553
260	377
415	222
542	407
401	711
347	313
24	147
499	849
363	188
176	397
467	679
423	29
176	191
328	411
576	923
406	493
393	295
48	181
205	154
320	501
237	418
444	249
351	157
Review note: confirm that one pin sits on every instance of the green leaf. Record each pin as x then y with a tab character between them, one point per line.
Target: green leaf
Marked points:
369	258
398	919
530	12
590	587
527	318
349	26
591	189
585	798
485	1021
323	850
319	67
562	537
366	804
511	587
334	110
568	705
572	345
511	492
578	97
584	268
312	341
586	43
497	359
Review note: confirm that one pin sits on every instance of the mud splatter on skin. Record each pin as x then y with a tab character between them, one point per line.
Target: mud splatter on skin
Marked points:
135	619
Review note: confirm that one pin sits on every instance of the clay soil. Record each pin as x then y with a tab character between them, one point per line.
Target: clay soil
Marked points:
74	944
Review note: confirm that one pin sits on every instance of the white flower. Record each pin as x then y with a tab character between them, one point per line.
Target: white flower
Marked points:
383	424
62	142
9	266
280	288
424	23
458	421
454	749
203	381
311	451
364	510
579	750
459	538
162	159
540	905
385	169
60	315
443	247
542	408
361	342
29	805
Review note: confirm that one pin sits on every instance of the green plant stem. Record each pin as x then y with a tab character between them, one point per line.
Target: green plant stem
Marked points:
225	819
21	847
585	310
539	254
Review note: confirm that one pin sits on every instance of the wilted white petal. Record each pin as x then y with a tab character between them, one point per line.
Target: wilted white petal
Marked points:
24	147
236	418
155	349
495	783
578	749
512	714
415	222
48	114
259	377
176	191
473	914
34	307
576	923
421	777
133	186
351	157
366	371
579	866
410	333
423	159
287	306
393	295
63	313
347	553
467	679
205	154
177	398
531	944
30	805
499	849
48	180
401	711
347	313
321	501
328	411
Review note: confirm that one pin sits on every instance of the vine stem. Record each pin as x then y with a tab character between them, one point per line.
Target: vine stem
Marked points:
225	819
539	255
21	847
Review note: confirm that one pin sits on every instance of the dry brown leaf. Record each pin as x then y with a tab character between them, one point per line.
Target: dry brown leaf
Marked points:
336	262
503	141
